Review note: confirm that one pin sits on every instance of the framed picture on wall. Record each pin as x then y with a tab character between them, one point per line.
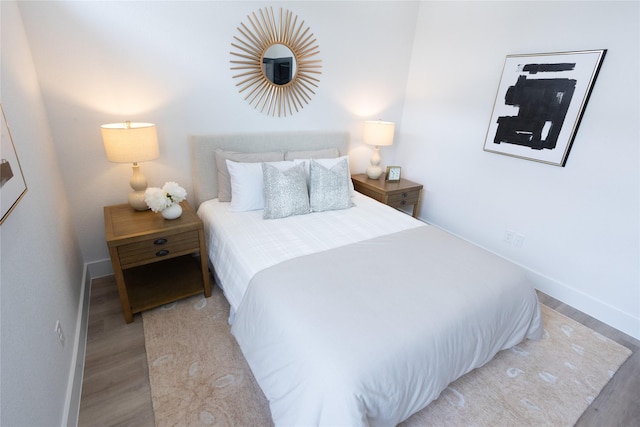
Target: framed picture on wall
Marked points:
540	102
12	183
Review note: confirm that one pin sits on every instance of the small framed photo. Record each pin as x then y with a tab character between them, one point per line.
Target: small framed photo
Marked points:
392	174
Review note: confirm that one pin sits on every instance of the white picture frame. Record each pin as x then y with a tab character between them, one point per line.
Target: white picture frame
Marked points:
540	102
12	183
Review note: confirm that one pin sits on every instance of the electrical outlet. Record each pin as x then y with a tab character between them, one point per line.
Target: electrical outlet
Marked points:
513	238
58	331
509	236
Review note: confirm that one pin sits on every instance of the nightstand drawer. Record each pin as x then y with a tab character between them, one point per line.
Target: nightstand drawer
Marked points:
143	252
406	198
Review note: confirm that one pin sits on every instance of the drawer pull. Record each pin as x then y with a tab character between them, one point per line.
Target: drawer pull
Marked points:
160	241
404	195
162	252
404	202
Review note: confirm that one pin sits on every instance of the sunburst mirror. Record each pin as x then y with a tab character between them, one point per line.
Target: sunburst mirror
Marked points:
276	62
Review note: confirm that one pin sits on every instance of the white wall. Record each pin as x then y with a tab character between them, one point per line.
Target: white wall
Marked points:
580	222
168	63
41	264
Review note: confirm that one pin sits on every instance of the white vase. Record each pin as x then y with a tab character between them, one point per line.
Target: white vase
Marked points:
172	212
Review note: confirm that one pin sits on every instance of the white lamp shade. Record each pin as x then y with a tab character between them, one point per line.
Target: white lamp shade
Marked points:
378	133
130	142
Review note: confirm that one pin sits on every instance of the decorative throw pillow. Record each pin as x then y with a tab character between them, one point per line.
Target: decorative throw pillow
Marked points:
285	192
325	153
247	184
328	163
329	188
224	180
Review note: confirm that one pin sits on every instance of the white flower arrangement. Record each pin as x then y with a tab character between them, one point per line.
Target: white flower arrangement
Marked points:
158	199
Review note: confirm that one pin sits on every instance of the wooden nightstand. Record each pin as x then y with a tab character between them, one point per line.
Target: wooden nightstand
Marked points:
396	194
155	261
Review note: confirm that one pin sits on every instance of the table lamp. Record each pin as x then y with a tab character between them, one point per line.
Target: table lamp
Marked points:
377	133
132	143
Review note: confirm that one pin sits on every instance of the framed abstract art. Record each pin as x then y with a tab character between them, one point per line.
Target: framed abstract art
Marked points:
12	183
540	102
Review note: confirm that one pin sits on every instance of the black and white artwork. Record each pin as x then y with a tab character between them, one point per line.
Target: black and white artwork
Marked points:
539	104
12	184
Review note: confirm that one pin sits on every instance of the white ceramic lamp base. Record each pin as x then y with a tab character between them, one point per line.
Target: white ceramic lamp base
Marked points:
374	171
137	202
139	184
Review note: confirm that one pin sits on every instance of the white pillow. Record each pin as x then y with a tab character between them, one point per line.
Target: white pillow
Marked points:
328	163
247	184
224	183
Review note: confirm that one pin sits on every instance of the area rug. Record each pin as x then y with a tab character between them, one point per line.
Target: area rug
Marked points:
199	377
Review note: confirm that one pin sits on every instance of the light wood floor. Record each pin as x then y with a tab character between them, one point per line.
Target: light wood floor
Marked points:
116	391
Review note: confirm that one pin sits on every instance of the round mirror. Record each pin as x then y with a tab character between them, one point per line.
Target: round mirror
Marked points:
279	64
274	62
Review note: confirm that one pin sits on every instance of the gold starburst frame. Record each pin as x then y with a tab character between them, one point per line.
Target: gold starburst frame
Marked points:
263	32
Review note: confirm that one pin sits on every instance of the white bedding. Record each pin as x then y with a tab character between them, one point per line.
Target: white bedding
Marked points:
369	333
362	316
242	243
354	317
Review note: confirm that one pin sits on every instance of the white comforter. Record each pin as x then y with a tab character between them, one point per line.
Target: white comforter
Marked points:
363	316
370	333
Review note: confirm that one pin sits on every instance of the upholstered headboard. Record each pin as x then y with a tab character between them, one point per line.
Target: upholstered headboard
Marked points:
203	147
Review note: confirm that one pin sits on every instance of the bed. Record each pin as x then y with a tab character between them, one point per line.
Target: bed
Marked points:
358	315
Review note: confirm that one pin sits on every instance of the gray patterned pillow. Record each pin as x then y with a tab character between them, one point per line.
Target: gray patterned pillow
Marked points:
285	192
329	188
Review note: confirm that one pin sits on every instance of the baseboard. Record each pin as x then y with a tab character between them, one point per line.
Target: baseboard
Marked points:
595	308
100	268
74	389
